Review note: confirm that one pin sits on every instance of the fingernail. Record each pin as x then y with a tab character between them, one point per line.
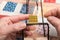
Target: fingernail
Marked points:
22	25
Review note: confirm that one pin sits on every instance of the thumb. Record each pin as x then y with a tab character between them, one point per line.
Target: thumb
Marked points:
55	22
16	27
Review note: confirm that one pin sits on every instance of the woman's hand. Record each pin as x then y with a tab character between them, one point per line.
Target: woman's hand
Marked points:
53	17
12	24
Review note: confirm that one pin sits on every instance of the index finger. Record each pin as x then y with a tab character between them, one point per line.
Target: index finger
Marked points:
52	12
20	17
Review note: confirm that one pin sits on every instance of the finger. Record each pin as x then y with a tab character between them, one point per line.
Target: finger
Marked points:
15	18
31	28
1	16
54	21
58	13
51	13
20	17
16	27
28	33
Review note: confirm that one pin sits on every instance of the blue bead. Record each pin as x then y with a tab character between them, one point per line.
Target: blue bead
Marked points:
23	9
10	7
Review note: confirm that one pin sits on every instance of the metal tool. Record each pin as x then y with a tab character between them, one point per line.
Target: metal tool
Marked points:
41	2
37	4
42	15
